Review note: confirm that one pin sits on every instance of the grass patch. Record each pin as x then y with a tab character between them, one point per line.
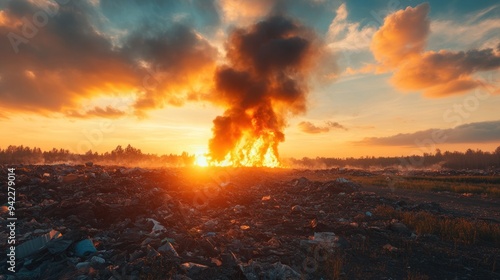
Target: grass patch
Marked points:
459	184
447	228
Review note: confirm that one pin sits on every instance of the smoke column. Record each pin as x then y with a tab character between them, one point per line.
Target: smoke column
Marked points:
262	83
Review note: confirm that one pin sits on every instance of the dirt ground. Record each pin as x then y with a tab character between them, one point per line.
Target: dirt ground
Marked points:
245	223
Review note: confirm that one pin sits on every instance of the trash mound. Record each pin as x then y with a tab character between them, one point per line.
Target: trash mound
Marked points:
95	222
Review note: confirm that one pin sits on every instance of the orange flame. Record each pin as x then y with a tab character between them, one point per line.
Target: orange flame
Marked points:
250	151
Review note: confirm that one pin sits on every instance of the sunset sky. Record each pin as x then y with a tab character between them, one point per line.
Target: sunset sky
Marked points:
376	78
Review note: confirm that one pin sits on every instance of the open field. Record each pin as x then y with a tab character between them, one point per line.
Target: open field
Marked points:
254	223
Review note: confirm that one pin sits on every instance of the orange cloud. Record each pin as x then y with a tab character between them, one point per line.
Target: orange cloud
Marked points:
49	67
108	112
311	128
399	46
243	11
180	62
57	64
3	18
402	36
7	20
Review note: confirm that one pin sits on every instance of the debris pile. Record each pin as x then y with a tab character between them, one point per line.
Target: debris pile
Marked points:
95	222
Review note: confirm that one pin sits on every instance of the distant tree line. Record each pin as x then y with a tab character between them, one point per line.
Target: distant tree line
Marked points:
119	156
129	155
470	159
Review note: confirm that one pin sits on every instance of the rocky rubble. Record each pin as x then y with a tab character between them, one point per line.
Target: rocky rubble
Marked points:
95	222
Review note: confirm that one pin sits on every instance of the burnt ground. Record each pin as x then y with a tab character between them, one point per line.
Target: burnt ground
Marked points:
243	223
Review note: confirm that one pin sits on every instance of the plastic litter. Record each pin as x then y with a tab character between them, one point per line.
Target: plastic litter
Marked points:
328	237
157	227
193	268
35	245
97	260
169	249
83	265
84	248
58	245
265	198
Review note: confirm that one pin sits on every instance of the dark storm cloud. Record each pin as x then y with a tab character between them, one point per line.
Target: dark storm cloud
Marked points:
466	133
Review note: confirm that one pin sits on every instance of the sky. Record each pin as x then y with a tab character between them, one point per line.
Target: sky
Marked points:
316	77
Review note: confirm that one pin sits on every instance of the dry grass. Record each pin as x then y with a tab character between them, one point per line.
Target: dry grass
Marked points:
447	228
459	184
337	264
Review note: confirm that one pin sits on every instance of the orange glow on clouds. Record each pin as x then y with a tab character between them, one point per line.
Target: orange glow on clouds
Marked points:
399	47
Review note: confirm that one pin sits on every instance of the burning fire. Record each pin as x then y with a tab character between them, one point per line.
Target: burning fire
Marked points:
201	160
262	82
250	151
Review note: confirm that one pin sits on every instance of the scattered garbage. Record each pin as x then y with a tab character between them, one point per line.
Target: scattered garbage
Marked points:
35	245
256	270
117	223
105	175
327	237
58	245
210	234
399	227
97	260
84	248
68	178
390	248
193	269
301	182
342	180
296	209
157	227
167	248
238	208
83	265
